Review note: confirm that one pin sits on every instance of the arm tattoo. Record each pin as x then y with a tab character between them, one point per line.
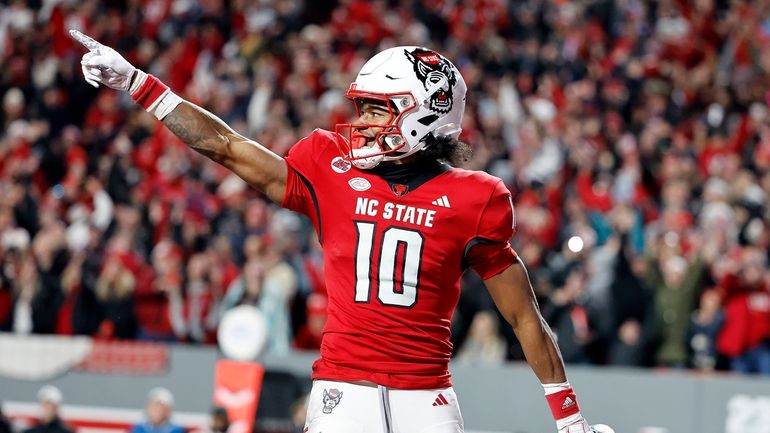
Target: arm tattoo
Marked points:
208	135
186	127
196	128
180	125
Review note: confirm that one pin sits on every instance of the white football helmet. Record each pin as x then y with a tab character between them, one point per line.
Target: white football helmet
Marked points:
424	93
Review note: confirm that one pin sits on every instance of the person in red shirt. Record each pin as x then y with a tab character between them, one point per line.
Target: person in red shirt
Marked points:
745	336
398	225
310	335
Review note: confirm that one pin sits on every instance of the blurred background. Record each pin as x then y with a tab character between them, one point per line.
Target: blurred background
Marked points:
634	136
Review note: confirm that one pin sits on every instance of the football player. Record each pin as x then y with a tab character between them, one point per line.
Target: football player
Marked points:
398	225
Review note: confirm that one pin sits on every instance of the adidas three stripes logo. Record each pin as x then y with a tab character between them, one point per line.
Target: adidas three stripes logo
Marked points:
442	201
440	400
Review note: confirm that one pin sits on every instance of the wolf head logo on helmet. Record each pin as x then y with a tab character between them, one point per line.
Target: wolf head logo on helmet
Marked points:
424	95
434	70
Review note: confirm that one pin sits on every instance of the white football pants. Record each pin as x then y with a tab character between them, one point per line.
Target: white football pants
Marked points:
341	407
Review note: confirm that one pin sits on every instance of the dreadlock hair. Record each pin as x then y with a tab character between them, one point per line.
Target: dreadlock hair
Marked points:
447	149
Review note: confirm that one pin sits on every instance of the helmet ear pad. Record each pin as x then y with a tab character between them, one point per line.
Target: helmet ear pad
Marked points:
425	91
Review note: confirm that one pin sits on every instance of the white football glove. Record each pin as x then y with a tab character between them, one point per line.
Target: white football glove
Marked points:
583	427
102	64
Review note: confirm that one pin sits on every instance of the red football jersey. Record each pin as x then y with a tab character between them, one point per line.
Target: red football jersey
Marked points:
393	259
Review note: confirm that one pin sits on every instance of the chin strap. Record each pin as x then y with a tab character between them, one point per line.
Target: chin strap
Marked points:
450	129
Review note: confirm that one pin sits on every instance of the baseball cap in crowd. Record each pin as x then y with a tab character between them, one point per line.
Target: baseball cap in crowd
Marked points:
49	393
161	395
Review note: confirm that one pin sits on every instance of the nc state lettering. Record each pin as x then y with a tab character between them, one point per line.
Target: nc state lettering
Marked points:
364	206
396	212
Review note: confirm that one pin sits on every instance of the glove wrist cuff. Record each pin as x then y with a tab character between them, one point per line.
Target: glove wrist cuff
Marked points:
572	420
137	79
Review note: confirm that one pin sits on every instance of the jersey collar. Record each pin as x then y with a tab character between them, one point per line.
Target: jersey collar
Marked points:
411	174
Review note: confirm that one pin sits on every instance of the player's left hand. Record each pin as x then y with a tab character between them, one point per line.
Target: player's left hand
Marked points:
103	65
582	426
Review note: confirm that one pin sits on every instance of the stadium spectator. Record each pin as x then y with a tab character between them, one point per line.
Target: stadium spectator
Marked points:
5	423
49	420
675	281
309	335
193	309
632	305
33	281
574	321
484	345
705	324
158	414
152	300
744	336
628	346
267	289
219	420
115	294
299	414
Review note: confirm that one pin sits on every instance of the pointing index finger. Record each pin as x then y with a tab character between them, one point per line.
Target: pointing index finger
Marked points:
87	41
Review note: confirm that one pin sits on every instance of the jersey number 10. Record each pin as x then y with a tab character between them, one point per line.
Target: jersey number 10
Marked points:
395	240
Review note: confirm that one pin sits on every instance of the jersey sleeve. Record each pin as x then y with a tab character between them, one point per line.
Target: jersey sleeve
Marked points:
304	156
490	252
299	195
303	174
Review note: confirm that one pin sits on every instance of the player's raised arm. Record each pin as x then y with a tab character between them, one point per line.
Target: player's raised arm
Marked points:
201	130
513	295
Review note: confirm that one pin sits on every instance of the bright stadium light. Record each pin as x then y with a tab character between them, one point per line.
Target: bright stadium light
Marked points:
575	244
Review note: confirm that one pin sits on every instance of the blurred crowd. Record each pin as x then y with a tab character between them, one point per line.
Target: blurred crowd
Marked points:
158	417
634	135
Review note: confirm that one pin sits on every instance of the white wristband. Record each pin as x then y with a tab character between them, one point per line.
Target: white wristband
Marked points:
165	104
553	388
568	421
